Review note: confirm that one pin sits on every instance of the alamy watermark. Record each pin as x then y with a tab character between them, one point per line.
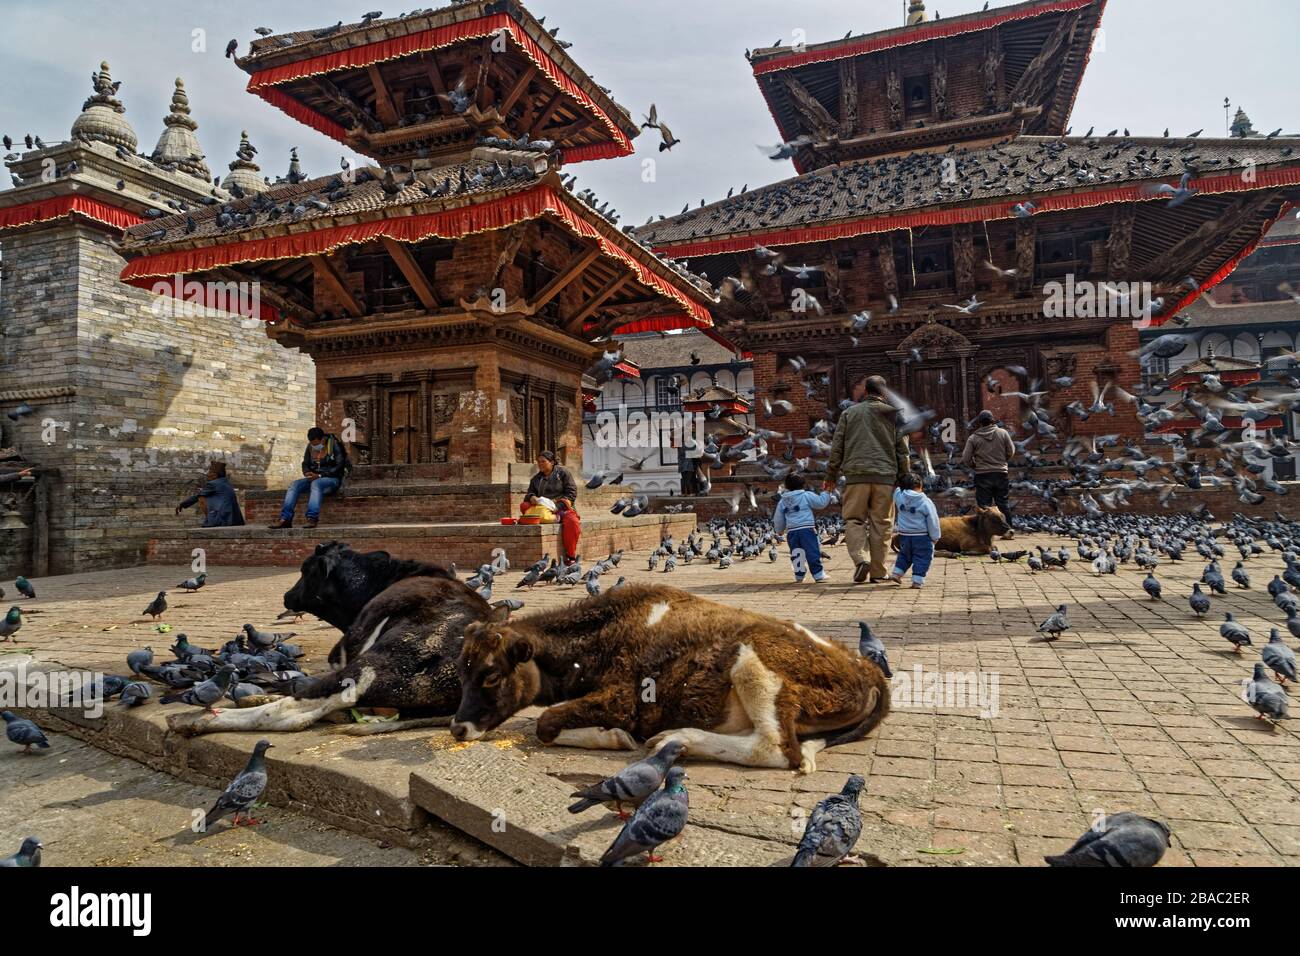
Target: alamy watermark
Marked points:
634	428
958	690
177	297
21	689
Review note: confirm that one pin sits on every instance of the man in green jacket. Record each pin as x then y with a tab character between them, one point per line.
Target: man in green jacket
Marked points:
871	455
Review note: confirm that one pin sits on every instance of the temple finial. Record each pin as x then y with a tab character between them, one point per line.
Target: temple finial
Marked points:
916	12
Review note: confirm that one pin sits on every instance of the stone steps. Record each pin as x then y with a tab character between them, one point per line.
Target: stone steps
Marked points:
467	544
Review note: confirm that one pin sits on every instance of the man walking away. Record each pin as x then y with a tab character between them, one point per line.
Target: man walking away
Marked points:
872	456
988	451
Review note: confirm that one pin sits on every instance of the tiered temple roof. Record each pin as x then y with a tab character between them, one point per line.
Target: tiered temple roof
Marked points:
472	110
1012	70
432	82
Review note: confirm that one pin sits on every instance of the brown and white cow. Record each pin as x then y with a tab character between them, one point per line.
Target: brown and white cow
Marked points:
652	664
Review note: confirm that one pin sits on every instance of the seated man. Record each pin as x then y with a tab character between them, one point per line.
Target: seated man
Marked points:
324	466
555	483
220	503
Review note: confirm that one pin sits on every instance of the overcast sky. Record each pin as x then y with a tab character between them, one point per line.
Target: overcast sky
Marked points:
1166	63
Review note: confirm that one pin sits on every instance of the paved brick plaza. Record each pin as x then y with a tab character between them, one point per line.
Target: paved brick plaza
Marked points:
1138	709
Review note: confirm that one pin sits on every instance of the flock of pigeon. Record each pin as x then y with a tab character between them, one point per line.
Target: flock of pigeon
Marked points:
252	666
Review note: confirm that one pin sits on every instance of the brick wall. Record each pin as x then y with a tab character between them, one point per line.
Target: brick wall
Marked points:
156	397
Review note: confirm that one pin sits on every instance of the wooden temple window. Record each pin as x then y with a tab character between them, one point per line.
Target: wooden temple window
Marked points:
916	96
386	288
1068	253
933	264
814	285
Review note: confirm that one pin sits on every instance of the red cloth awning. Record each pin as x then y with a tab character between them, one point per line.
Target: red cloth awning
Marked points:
13	217
264	82
498	213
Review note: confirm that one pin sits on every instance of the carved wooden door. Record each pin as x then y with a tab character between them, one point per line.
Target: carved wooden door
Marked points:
403	427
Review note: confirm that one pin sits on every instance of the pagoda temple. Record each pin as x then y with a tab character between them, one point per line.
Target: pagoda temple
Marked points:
942	191
452	294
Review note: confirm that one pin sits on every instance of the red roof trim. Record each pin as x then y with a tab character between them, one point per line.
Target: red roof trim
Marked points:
45	210
1211	185
934	30
498	213
382	51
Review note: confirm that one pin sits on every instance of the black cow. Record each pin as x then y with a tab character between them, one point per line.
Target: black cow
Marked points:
403	623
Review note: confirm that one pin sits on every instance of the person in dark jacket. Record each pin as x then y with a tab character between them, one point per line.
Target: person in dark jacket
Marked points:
220	503
324	466
556	483
987	454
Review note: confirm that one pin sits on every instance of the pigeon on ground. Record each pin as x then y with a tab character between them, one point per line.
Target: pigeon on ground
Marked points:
133	695
1267	697
25	588
11	623
138	659
1276	586
207	693
1151	586
1293	622
1119	840
1241	576
872	648
1055	624
1234	633
264	639
194	583
243	790
1279	657
631	785
23	732
28	855
1200	602
659	819
157	606
833	829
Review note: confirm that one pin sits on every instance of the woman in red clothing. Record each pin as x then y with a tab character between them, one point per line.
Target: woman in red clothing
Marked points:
555	483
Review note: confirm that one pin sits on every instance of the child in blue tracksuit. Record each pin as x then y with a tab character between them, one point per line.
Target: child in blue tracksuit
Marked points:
794	518
917	525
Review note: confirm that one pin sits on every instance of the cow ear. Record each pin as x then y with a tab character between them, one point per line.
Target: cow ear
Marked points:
519	651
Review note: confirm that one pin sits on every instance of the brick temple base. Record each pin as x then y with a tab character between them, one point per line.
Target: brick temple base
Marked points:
467	545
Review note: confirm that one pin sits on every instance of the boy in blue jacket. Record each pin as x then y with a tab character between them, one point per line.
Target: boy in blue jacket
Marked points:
794	518
917	525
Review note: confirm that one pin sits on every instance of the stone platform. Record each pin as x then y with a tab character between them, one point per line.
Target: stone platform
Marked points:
378	500
1137	708
467	544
